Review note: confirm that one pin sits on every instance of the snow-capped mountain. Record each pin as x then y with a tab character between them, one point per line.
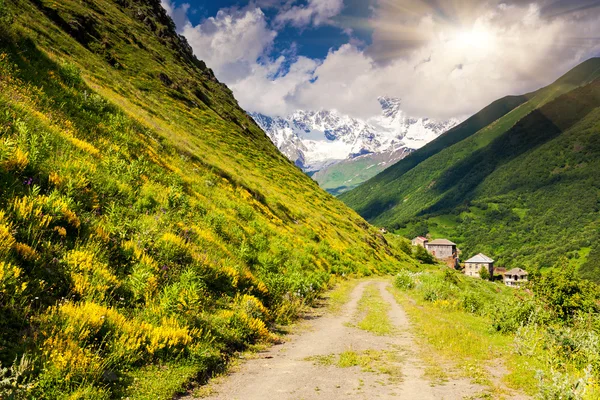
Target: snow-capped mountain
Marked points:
315	140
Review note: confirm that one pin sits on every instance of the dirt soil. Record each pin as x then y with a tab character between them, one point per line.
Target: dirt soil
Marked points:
289	371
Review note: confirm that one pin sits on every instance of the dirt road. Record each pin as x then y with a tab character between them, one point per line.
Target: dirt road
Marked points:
312	364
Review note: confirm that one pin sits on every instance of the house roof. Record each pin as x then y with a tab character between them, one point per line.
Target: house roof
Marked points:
480	258
442	242
517	271
420	238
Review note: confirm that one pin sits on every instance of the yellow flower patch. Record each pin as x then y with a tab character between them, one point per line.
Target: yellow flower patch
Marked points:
26	252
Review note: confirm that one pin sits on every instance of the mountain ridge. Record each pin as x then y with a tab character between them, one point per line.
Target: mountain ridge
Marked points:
469	192
317	141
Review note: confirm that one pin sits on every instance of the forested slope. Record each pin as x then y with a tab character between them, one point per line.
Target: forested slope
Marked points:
522	189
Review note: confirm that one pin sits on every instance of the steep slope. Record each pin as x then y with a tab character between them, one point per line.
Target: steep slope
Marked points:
522	189
148	227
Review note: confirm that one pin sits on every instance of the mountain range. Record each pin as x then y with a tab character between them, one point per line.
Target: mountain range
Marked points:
340	151
517	181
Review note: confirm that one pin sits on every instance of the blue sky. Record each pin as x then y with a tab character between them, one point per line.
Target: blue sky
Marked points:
443	59
310	41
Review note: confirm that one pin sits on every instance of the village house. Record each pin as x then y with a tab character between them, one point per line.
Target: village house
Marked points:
474	265
383	230
515	277
420	241
443	250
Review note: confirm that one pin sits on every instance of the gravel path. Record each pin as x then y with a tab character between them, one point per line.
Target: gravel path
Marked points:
286	371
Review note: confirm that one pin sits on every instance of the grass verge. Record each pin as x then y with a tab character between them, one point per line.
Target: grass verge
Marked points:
465	341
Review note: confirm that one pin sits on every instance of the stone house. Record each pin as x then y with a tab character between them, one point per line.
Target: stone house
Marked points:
515	277
442	249
420	241
474	264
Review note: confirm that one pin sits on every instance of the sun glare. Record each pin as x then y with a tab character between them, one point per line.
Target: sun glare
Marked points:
475	38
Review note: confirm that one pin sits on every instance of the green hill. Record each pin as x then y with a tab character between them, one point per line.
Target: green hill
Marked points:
522	188
148	228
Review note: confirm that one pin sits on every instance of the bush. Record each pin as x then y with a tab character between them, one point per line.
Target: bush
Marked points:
70	74
484	273
423	255
404	280
508	317
471	302
437	289
565	294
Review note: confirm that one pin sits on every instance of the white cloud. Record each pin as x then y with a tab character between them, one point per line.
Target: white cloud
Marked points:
316	12
441	67
178	14
231	44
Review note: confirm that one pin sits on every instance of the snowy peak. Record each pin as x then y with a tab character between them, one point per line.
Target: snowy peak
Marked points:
390	106
317	139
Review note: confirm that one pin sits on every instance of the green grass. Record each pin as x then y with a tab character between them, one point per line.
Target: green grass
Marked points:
467	329
340	295
160	381
374	361
373	312
465	341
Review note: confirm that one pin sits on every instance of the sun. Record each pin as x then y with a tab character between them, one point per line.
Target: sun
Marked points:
477	38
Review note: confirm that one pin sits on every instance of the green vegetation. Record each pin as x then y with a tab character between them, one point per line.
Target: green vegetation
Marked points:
373	312
348	174
522	189
376	361
140	240
340	295
545	338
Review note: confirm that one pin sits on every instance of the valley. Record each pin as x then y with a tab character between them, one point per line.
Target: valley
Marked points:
165	235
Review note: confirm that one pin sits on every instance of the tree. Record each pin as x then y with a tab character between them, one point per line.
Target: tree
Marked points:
484	273
423	255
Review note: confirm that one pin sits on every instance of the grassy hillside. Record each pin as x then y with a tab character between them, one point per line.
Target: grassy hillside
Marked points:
523	189
148	228
383	199
348	174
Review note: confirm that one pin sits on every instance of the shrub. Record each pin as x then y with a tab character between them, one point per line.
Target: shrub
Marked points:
71	74
437	289
508	317
423	255
404	280
471	302
484	273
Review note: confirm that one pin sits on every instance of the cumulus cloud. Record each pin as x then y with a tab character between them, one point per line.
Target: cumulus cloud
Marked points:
178	14
231	43
443	61
316	12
